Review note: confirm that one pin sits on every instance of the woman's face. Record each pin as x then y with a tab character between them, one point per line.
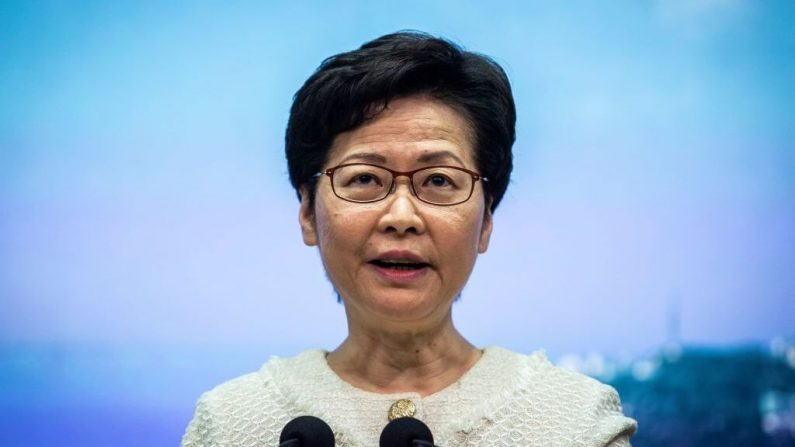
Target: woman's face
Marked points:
363	244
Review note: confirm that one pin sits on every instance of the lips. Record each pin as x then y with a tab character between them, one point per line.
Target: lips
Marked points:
399	264
400	261
400	268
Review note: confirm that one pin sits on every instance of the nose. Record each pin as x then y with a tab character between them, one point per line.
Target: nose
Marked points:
402	215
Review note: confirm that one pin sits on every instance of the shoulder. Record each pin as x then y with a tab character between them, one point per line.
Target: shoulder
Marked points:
568	405
535	374
565	386
244	410
261	386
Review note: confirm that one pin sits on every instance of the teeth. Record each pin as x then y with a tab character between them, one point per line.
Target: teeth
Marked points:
405	267
400	264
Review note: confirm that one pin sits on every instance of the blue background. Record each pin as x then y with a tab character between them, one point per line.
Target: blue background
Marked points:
149	245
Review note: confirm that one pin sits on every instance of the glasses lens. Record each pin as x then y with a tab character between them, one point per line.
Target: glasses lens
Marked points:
443	185
362	183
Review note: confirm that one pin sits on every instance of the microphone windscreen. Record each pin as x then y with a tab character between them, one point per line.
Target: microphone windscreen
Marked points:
309	430
402	432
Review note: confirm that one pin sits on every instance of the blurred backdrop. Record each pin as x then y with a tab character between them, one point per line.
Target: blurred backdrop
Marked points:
149	246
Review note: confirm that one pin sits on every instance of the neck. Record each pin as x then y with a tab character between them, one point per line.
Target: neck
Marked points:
396	361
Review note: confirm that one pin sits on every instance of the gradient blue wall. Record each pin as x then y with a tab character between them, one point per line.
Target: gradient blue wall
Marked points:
149	245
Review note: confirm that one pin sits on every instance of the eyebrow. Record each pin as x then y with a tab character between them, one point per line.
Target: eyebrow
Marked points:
365	156
434	156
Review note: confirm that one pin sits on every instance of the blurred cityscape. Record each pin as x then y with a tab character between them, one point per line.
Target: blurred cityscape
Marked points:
681	396
691	396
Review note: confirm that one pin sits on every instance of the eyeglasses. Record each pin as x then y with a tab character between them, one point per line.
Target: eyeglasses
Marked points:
437	185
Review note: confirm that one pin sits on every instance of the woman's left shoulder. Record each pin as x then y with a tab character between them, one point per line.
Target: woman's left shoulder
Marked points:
542	375
565	401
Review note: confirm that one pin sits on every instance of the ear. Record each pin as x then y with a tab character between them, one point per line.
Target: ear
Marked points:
306	218
485	229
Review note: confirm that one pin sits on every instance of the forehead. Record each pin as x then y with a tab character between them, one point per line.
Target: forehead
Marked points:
409	131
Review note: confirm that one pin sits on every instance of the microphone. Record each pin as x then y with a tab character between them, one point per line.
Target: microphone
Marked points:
406	432
306	431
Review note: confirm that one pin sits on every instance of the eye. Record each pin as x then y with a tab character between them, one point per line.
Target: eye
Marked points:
438	180
364	179
360	176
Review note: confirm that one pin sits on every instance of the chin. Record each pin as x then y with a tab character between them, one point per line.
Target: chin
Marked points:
403	307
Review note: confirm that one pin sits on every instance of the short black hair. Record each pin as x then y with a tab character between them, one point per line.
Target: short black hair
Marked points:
349	88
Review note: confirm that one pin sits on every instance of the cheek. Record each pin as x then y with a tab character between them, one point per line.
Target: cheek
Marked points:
330	234
341	231
461	231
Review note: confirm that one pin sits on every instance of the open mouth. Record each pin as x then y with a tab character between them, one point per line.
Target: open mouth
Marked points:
399	264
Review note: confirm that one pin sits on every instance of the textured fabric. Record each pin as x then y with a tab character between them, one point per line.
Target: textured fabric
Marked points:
506	399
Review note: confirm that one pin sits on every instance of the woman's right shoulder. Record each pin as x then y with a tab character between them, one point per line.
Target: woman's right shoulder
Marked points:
267	383
244	410
246	385
254	391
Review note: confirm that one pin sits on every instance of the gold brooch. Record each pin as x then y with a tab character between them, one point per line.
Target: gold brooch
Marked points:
402	408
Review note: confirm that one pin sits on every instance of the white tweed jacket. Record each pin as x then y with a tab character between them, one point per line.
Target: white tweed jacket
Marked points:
506	399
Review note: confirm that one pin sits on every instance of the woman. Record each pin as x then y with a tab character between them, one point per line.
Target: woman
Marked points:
400	152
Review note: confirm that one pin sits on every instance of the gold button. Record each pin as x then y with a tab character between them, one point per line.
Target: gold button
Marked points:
402	408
